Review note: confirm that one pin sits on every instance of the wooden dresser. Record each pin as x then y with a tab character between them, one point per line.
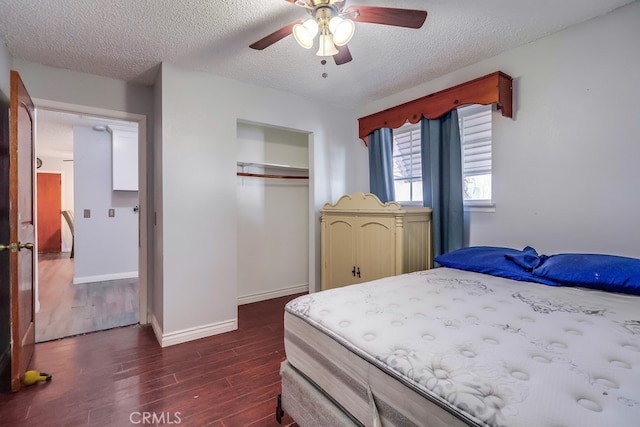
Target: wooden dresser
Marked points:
364	239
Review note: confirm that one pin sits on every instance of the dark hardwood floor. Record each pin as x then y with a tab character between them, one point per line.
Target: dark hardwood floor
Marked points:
119	376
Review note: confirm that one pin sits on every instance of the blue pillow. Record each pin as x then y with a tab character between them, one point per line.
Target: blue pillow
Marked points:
493	260
528	258
606	272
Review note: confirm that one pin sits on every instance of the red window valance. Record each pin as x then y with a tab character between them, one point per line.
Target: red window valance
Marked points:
495	88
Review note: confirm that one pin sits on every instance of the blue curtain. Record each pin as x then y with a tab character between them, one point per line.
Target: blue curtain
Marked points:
442	181
381	164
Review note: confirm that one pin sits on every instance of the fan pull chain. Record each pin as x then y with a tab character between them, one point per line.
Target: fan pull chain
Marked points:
324	68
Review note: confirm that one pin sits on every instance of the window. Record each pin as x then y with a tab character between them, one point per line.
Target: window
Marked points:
475	136
407	163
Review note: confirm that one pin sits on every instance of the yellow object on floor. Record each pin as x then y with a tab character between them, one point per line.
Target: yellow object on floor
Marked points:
32	377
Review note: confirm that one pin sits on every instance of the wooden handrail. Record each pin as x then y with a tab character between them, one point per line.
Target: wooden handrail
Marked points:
495	88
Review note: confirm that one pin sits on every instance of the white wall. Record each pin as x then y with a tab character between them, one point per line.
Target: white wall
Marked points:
273	214
73	87
199	116
5	70
156	309
65	168
106	247
566	167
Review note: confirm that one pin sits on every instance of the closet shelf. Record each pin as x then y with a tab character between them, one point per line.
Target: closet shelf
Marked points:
272	166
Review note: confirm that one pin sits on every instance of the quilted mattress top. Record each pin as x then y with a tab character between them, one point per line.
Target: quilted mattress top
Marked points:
496	352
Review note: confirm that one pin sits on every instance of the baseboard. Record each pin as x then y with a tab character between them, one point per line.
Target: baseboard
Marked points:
191	334
105	277
276	293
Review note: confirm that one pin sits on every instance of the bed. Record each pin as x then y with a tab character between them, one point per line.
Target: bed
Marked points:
502	342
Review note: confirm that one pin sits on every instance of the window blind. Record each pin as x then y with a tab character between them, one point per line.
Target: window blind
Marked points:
407	162
475	135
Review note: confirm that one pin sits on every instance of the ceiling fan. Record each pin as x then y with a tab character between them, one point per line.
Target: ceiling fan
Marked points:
335	25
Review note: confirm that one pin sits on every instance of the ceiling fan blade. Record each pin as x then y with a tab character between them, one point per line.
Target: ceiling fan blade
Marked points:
343	56
409	18
274	37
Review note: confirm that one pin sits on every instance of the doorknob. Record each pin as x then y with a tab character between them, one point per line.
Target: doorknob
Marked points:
25	246
10	247
14	247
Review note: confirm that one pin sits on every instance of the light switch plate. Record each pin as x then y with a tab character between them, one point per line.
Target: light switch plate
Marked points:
87	213
112	213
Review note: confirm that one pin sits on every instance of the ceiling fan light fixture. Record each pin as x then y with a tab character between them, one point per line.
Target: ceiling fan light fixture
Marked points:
342	30
305	33
334	22
326	47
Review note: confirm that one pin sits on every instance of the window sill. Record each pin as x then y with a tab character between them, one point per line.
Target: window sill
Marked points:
479	206
475	206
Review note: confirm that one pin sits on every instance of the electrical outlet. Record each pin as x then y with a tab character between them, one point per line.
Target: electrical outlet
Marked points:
112	213
87	213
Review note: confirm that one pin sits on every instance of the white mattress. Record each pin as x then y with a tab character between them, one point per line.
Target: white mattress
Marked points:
447	347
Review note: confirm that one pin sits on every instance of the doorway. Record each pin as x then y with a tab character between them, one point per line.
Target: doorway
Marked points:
83	288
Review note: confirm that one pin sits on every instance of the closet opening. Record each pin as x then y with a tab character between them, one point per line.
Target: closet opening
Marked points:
273	189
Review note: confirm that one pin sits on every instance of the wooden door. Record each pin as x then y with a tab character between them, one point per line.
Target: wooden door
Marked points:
49	212
22	229
376	248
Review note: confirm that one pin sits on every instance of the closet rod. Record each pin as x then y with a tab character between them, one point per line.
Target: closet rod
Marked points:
262	175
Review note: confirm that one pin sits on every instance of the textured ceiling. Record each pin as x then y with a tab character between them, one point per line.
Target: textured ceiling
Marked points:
128	39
